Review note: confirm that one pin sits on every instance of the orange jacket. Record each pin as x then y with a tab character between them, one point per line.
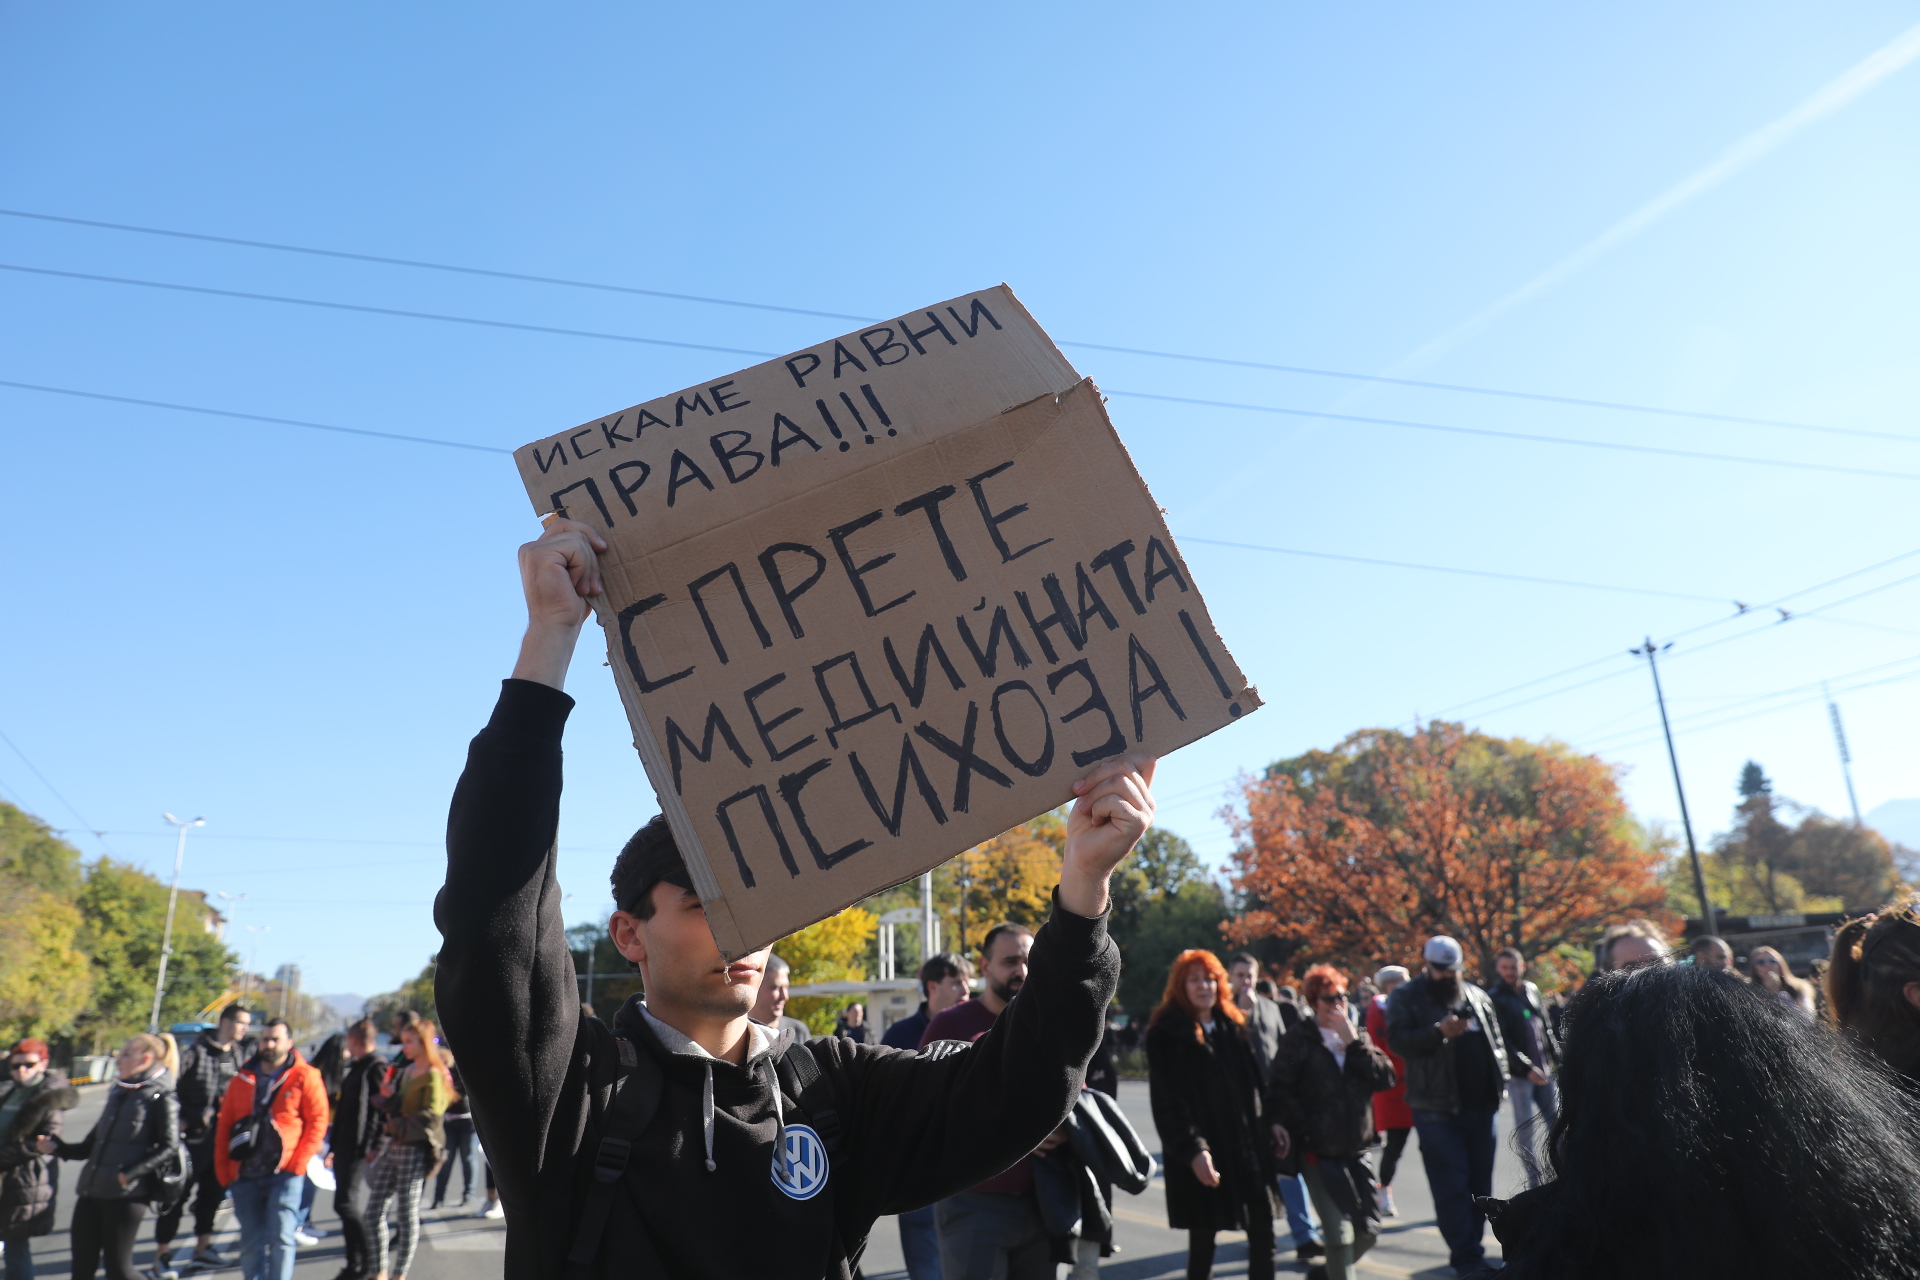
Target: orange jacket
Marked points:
298	1111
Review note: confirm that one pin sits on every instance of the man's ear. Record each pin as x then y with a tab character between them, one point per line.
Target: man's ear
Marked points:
628	934
1912	992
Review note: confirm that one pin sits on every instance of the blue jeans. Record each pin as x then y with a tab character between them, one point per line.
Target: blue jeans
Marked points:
1293	1192
1458	1153
1528	1097
269	1210
20	1258
919	1244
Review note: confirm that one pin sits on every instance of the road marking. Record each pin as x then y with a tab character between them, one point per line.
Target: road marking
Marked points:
460	1237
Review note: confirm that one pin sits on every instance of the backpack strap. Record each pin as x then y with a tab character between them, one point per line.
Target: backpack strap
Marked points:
636	1099
800	1072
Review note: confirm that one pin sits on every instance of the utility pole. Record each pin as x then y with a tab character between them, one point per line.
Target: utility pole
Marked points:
173	900
1651	652
929	931
1846	757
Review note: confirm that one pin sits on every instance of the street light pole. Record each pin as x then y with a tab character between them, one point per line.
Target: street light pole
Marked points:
173	900
1651	653
253	956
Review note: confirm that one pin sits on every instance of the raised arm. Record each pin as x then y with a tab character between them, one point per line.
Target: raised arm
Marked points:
940	1126
505	985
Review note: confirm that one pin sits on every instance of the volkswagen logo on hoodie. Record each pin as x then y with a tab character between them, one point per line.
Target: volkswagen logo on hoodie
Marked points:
800	1166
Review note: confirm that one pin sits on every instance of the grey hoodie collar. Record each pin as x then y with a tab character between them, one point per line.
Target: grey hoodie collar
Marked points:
761	1042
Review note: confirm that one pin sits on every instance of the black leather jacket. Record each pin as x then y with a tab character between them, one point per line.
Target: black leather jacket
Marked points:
1413	1031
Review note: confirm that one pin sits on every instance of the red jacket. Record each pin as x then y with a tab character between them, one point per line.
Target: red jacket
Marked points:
1390	1110
298	1111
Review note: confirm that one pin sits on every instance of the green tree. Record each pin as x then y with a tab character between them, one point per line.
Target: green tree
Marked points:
415	993
31	853
44	978
1813	863
1163	903
124	911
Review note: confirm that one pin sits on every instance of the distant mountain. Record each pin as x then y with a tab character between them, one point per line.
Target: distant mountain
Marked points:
347	1006
1898	821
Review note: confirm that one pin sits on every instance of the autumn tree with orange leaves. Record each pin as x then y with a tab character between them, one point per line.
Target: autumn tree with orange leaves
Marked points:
1358	854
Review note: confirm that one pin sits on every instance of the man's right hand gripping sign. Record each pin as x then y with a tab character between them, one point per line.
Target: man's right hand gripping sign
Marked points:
743	1169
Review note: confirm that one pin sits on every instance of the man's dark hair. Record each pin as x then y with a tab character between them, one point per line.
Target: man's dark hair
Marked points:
233	1011
1246	958
1689	1100
648	858
364	1031
1517	957
402	1019
271	1023
941	967
1265	987
1707	942
993	936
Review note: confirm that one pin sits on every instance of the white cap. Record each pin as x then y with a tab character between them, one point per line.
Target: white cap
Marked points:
1443	951
1393	973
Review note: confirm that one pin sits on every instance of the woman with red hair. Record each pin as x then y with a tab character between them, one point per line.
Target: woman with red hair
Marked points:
1325	1074
1217	1143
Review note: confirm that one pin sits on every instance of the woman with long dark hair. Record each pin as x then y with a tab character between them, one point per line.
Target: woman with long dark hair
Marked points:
1214	1137
1708	1132
1873	986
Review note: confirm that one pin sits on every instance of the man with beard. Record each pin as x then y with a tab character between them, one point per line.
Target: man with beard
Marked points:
993	1229
1449	1033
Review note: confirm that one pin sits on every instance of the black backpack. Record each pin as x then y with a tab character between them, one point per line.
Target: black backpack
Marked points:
636	1099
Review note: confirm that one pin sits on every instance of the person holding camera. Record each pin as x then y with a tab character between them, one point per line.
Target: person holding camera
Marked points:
272	1122
138	1132
687	1140
1448	1032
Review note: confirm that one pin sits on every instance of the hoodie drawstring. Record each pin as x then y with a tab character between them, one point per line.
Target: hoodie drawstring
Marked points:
706	1116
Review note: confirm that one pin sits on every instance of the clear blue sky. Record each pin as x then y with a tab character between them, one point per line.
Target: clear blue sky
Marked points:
222	617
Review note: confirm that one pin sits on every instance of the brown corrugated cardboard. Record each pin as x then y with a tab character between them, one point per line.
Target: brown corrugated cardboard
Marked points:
875	602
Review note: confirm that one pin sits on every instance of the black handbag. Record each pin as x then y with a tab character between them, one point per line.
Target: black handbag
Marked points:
167	1184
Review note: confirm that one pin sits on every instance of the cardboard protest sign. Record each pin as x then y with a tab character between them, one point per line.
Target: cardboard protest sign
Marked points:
880	600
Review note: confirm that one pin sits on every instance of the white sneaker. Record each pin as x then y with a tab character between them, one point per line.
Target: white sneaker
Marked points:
496	1211
1385	1198
303	1236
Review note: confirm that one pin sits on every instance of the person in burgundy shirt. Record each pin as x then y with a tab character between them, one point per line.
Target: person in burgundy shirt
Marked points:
993	1229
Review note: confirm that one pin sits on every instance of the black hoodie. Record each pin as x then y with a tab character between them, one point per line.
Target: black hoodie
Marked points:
540	1073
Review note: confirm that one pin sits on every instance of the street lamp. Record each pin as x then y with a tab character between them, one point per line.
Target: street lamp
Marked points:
233	902
173	900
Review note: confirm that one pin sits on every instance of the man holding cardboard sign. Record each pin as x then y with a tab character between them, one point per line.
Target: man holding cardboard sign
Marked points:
866	606
749	1156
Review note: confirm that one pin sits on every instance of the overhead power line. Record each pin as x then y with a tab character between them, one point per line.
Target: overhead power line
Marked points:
1486	432
381	311
86	826
252	417
1613	445
1773	603
1585	402
1475	573
430	266
482	448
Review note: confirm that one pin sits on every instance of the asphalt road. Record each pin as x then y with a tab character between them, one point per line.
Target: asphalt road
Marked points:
1410	1246
458	1246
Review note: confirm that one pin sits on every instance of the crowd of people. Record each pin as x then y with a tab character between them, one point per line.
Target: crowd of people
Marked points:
1678	1117
242	1116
